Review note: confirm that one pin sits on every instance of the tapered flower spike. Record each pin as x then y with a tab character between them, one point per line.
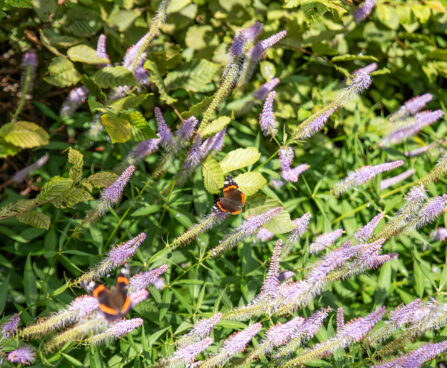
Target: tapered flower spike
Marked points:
366	232
384	184
325	240
293	175
9	328
315	122
186	130
417	357
411	107
264	234
74	100
287	274
265	89
271	283
24	355
251	33
340	319
145	279
194	155
29	65
440	234
201	329
420	121
301	224
431	211
420	151
186	354
163	130
214	143
267	120
143	149
247	229
286	156
136	297
367	69
231	346
116	331
101	51
364	10
363	175
116	257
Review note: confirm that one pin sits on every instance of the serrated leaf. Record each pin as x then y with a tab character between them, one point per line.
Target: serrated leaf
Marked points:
35	219
24	134
8	149
72	197
213	176
215	126
93	88
141	130
114	76
53	189
76	159
22	205
19	3
102	179
249	183
158	81
62	73
192	76
118	129
354	57
198	108
239	158
128	102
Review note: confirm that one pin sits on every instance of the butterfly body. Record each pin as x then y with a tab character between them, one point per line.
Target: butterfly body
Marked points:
114	303
233	199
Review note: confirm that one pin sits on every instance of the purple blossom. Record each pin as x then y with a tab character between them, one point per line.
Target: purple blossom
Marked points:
287	274
286	156
83	306
258	50
416	195
145	148
313	324
325	240
281	333
101	48
137	297
411	107
364	11
20	175
252	32
159	283
145	279
340	319
238	341
356	330
419	151
301	224
367	69
194	155
267	87
417	357
404	314
121	253
238	44
9	328
440	234
187	129
366	232
121	328
271	282
254	223
317	124
292	175
214	143
360	82
384	184
163	130
74	100
264	234
276	183
30	59
267	118
114	192
187	353
431	210
202	328
23	355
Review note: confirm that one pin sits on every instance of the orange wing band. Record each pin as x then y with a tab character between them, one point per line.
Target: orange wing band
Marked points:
236	212
98	289
220	207
242	198
108	310
126	305
122	279
226	189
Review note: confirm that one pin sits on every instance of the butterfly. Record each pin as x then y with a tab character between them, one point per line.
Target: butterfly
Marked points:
114	303
233	199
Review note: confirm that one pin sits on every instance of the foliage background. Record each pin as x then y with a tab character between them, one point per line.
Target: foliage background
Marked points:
324	44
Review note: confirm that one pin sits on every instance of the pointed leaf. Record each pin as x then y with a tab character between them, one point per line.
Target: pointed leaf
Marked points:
118	129
76	159
56	187
216	126
29	283
249	183
35	219
62	72
239	158
158	81
85	54
24	134
213	176
141	130
93	88
192	76
102	179
114	76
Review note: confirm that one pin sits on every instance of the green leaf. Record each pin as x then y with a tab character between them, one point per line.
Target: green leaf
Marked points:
102	179
92	87
76	159
29	283
44	8
8	149
239	158
118	129
72	197
114	76
56	187
128	102
4	292
85	54
158	81
215	126
72	360
192	76
249	183
213	176
354	57
141	130
24	134
198	108
62	73
35	219
19	3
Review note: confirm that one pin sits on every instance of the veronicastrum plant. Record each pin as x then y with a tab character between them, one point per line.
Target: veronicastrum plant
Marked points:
327	115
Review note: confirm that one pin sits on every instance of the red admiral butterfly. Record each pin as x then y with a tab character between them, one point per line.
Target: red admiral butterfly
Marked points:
233	199
113	302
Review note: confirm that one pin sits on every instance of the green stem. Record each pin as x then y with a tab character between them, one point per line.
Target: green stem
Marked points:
24	92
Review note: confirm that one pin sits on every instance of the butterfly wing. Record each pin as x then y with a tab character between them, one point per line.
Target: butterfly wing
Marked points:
106	302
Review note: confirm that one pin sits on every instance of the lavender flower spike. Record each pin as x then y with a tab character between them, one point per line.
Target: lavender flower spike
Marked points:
366	232
293	175
420	151
267	87
74	100
411	107
286	156
145	279
440	234
364	11
267	118
113	193
187	354
9	328
252	32
431	210
101	48
417	357
163	130
325	240
384	184
367	69
363	175
237	46
116	331
264	234
271	283
248	228
187	129
214	143
23	355
301	224
201	329
194	155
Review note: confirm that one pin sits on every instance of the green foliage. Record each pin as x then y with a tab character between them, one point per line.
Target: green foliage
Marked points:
62	73
19	135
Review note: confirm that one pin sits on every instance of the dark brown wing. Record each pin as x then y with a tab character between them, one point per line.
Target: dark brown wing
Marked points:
106	302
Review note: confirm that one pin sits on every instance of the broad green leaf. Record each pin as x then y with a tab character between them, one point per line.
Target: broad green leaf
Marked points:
215	126
158	81
114	76
213	176
29	283
192	76
118	129
72	197
35	219
249	183
102	179
62	73
8	149
76	159
19	3
44	8
239	158
85	54
198	108
24	134
141	130
54	188
128	102
92	87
